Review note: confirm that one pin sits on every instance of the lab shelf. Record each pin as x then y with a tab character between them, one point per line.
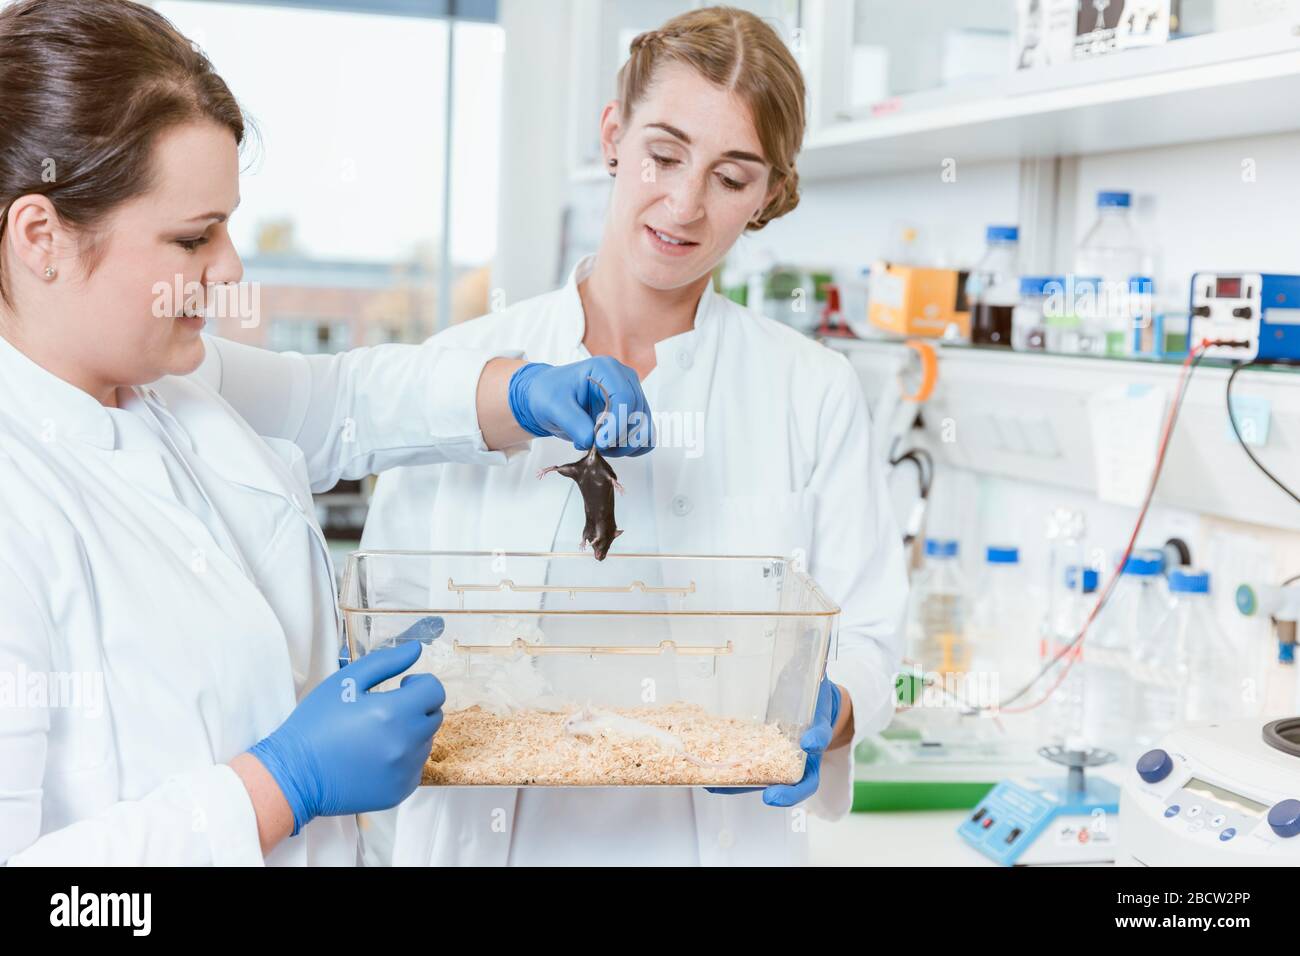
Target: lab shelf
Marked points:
1229	84
1025	416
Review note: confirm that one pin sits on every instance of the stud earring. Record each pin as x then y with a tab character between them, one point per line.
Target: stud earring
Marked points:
50	272
613	164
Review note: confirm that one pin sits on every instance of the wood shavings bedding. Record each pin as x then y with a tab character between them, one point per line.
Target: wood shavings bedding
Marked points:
678	744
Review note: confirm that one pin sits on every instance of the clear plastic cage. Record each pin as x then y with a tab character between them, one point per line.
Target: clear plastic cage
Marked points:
639	670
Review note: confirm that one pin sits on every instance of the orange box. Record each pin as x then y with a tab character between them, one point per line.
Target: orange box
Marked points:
914	301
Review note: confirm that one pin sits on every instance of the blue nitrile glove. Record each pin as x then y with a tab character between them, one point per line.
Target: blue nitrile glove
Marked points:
814	742
561	400
345	749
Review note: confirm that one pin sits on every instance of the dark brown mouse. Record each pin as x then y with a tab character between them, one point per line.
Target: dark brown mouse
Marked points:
597	482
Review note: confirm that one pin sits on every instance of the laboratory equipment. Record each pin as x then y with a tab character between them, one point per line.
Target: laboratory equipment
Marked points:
1216	794
1282	605
947	744
1148	334
1214	667
1259	312
912	300
1132	680
938	754
938	623
1028	325
1111	248
991	288
1070	316
1063	713
789	294
640	670
1114	251
855	302
1049	821
834	323
1001	634
1158	660
1091	307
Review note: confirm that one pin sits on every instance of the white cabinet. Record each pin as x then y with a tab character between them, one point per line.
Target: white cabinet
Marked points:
905	86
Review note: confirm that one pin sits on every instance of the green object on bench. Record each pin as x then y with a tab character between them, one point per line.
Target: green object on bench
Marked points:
880	796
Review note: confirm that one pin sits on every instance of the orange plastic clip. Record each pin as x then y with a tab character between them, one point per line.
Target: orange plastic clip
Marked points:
929	370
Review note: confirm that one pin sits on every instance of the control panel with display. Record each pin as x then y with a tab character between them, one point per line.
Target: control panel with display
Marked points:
1213	794
1258	312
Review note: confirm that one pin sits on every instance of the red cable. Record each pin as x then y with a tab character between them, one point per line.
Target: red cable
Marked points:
1068	650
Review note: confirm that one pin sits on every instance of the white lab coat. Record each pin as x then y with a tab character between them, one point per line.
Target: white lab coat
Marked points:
783	464
141	647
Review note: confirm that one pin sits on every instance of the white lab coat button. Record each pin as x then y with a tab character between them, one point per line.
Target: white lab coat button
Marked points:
682	506
685	359
726	839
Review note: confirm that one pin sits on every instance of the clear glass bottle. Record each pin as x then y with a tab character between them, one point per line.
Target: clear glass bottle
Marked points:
939	639
1066	528
1117	705
1215	669
1063	714
1070	315
999	636
1159	664
1112	250
1028	331
1089	301
992	289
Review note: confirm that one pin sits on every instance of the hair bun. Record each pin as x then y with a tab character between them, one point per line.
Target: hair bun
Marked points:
642	40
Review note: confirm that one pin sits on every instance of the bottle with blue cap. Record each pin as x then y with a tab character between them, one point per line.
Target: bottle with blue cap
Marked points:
1215	667
1063	714
1122	645
992	287
1028	319
1082	327
1001	631
1160	659
1114	250
1148	335
938	635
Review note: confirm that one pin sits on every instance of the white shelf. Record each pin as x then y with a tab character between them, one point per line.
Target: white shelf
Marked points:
1241	83
1025	416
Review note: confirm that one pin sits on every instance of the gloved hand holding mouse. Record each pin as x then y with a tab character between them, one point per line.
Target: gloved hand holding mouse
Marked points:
566	401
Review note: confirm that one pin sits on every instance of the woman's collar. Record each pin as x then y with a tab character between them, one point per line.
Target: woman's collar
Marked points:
46	405
576	320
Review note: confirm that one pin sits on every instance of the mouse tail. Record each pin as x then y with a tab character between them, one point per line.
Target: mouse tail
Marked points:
603	391
600	419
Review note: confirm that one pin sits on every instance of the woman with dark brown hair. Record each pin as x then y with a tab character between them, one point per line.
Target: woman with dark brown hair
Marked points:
169	682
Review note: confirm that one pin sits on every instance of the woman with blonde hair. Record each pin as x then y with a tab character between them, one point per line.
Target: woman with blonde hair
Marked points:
701	145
